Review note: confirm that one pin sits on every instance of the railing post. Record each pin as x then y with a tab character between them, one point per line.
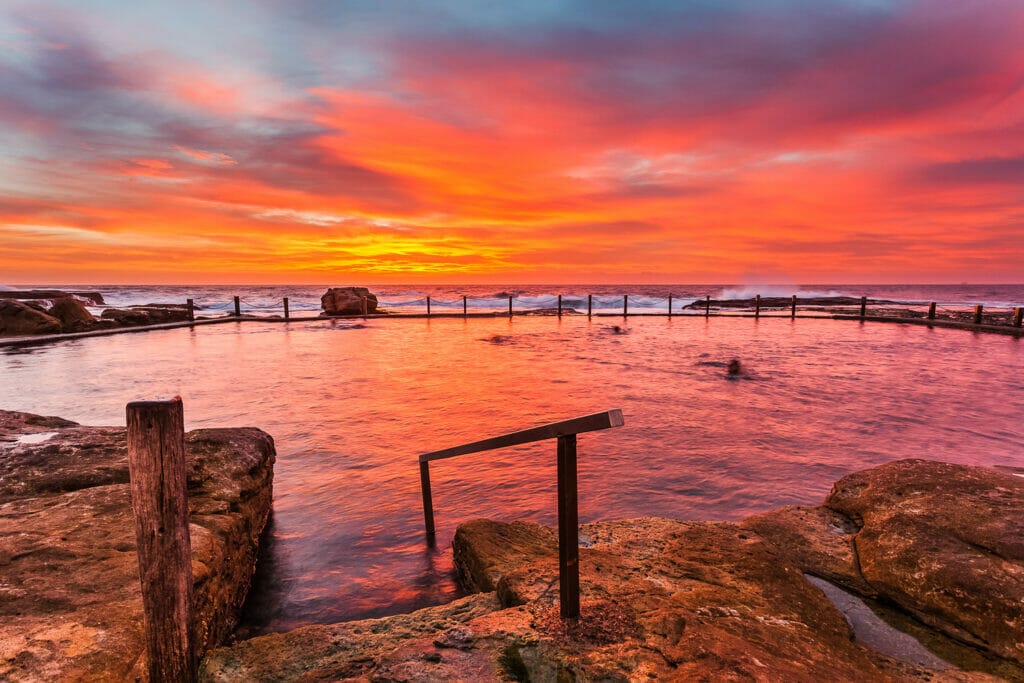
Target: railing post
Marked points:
510	306
931	311
1018	316
863	307
707	306
625	305
159	494
428	500
238	308
191	309
568	530
670	305
559	305
464	306
286	308
792	312
590	304
364	307
428	306
977	314
757	306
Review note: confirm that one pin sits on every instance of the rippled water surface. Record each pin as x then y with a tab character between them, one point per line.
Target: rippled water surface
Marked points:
351	406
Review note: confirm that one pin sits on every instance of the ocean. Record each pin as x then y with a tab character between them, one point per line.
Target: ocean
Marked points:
352	403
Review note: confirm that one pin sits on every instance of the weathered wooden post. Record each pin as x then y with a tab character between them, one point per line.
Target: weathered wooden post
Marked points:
757	306
931	311
977	314
428	306
364	307
559	305
670	305
428	501
238	308
707	306
590	304
863	307
286	308
464	306
625	305
191	305
156	466
568	529
510	306
1018	316
792	310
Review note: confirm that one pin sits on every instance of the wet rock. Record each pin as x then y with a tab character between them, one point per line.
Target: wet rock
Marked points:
348	301
70	603
145	315
93	297
18	318
72	314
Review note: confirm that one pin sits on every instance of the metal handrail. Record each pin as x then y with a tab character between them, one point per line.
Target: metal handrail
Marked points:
568	512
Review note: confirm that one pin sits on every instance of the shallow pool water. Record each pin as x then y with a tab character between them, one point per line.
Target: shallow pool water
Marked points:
351	405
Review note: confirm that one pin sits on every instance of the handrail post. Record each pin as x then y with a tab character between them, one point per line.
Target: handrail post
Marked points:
931	311
428	500
159	493
428	306
977	314
792	313
670	305
568	530
1018	316
625	305
463	305
364	307
191	309
590	304
510	306
238	308
286	308
707	306
863	307
559	305
757	306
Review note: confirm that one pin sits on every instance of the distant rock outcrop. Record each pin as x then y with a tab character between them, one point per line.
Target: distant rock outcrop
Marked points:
94	298
348	301
70	600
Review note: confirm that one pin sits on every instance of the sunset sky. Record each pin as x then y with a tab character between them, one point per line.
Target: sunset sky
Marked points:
294	141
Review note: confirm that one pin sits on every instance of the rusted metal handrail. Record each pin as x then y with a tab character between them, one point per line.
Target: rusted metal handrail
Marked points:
568	511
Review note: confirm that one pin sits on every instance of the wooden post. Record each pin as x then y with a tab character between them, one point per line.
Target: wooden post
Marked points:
510	306
590	304
238	308
463	305
157	479
286	308
792	312
428	306
364	308
559	305
863	306
568	530
670	305
707	306
191	309
1018	316
757	306
931	311
625	305
428	501
977	314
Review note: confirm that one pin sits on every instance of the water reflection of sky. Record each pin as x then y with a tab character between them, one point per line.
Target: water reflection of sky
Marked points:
350	409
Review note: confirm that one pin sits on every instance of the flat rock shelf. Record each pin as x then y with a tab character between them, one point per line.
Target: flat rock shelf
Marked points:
70	600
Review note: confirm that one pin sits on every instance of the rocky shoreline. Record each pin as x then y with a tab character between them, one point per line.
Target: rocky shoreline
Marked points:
936	548
40	312
70	600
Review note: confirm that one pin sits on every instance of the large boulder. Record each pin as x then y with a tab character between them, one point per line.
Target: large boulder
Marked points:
72	314
18	318
150	314
70	602
943	542
348	301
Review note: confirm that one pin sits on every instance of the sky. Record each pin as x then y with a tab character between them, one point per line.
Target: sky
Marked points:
317	141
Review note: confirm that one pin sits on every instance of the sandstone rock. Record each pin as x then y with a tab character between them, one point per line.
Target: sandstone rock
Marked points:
348	301
145	315
70	603
72	314
95	297
18	318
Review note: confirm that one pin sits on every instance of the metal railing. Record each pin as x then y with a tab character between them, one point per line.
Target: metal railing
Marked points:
568	512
